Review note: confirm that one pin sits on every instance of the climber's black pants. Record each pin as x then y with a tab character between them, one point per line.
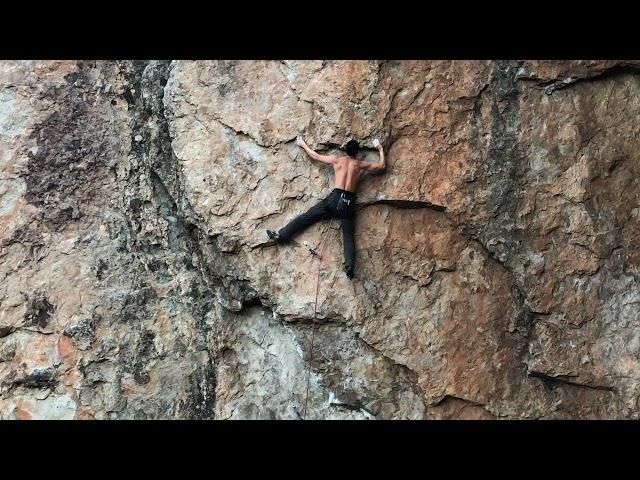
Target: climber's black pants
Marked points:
325	209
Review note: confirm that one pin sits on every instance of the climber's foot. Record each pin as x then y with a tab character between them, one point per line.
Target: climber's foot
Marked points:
349	271
275	236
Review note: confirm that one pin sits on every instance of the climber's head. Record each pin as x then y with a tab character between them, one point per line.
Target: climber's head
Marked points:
352	148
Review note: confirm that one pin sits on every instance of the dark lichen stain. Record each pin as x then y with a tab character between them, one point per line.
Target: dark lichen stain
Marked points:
38	379
100	269
200	404
137	302
68	161
146	349
39	310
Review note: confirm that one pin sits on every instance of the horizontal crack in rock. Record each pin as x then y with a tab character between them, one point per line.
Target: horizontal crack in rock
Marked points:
565	381
405	204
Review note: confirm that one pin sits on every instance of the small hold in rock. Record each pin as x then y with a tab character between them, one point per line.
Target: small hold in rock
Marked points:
113	102
138	138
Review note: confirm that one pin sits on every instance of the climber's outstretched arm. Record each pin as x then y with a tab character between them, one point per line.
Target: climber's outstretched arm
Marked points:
376	167
330	159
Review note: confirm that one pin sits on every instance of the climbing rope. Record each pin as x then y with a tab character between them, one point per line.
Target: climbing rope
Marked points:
320	249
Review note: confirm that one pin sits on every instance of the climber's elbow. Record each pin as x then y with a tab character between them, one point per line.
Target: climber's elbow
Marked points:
373	167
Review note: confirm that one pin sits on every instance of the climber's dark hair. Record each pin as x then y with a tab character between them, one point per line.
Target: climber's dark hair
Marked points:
352	148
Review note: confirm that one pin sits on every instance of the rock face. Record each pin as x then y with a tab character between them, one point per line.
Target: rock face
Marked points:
497	266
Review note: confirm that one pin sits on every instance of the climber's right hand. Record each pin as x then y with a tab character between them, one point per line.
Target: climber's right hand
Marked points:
299	141
376	143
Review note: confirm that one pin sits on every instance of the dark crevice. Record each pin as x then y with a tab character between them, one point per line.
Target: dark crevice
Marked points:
448	397
620	69
404	204
564	381
156	161
253	302
6	330
442	402
352	407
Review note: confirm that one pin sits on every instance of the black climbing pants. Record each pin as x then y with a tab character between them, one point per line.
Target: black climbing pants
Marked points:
340	204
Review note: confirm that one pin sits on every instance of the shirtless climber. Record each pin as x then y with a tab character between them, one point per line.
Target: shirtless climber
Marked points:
341	201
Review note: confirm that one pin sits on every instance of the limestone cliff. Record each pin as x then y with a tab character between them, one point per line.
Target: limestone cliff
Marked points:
497	272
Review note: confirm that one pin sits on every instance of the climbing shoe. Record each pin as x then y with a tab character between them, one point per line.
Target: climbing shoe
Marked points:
349	271
275	236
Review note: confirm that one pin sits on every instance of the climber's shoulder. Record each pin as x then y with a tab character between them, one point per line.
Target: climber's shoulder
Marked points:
340	160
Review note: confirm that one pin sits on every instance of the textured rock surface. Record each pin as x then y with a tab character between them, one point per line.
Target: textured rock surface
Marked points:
497	274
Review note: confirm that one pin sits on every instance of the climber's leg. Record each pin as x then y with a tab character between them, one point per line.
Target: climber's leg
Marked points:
348	234
316	213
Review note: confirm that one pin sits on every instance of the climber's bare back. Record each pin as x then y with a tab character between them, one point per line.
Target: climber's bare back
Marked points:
348	172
